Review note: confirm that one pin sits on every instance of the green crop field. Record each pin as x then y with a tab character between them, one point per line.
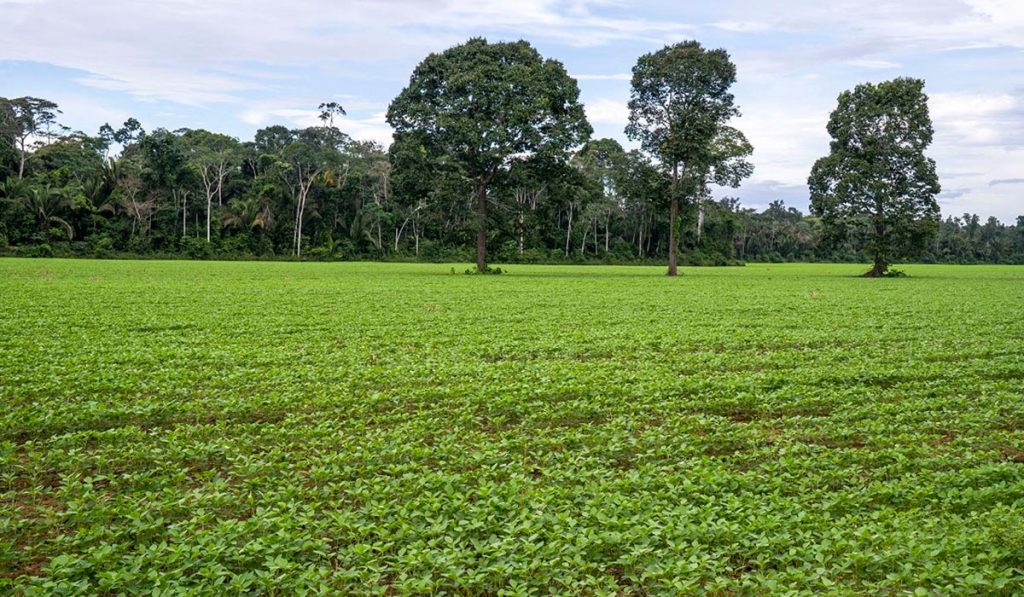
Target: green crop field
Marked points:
216	428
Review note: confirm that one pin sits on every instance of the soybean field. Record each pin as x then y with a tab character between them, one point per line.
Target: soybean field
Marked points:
220	428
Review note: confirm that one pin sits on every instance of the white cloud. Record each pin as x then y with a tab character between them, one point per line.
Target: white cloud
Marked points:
607	111
193	51
266	61
969	118
371	128
744	26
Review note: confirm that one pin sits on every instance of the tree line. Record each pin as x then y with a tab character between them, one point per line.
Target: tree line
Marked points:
492	159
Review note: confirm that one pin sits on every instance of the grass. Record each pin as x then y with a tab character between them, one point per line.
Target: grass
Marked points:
213	427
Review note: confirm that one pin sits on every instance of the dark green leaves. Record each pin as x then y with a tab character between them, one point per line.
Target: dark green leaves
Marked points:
680	100
482	104
877	184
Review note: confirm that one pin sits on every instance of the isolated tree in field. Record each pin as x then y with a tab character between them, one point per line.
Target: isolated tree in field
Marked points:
25	118
484	105
877	185
679	104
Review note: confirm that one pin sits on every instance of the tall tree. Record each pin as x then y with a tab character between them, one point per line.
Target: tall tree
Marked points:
605	160
679	104
213	156
166	157
877	185
485	105
310	154
23	119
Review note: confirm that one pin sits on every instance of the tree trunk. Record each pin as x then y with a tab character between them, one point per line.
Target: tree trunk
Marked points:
23	156
568	230
296	234
220	185
522	229
209	205
416	234
606	222
881	262
480	190
673	216
640	238
878	269
700	219
298	225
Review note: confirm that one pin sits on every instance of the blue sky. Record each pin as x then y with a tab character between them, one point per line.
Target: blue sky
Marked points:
237	65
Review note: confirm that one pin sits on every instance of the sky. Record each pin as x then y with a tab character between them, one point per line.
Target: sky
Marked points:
235	66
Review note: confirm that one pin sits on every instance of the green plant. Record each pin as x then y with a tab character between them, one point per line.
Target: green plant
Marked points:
213	427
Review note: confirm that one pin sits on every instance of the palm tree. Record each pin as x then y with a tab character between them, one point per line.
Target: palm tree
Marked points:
248	213
44	202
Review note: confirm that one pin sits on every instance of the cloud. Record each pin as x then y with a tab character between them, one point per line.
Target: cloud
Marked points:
973	118
192	51
607	111
250	63
371	128
1006	181
759	195
950	194
744	26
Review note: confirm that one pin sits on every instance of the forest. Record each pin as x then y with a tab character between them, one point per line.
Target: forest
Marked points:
316	193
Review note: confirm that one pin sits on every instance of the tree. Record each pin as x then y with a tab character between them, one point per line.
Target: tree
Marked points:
484	105
413	182
680	102
310	154
877	185
727	167
166	158
23	118
212	155
46	205
328	110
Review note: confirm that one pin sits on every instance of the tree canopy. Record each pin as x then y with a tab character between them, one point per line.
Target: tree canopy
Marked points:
679	109
483	105
877	185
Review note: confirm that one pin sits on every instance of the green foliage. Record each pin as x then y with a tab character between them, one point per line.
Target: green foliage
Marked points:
680	100
25	123
679	109
488	271
227	428
292	194
876	184
482	106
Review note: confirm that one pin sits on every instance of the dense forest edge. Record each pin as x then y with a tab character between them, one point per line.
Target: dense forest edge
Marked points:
316	194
